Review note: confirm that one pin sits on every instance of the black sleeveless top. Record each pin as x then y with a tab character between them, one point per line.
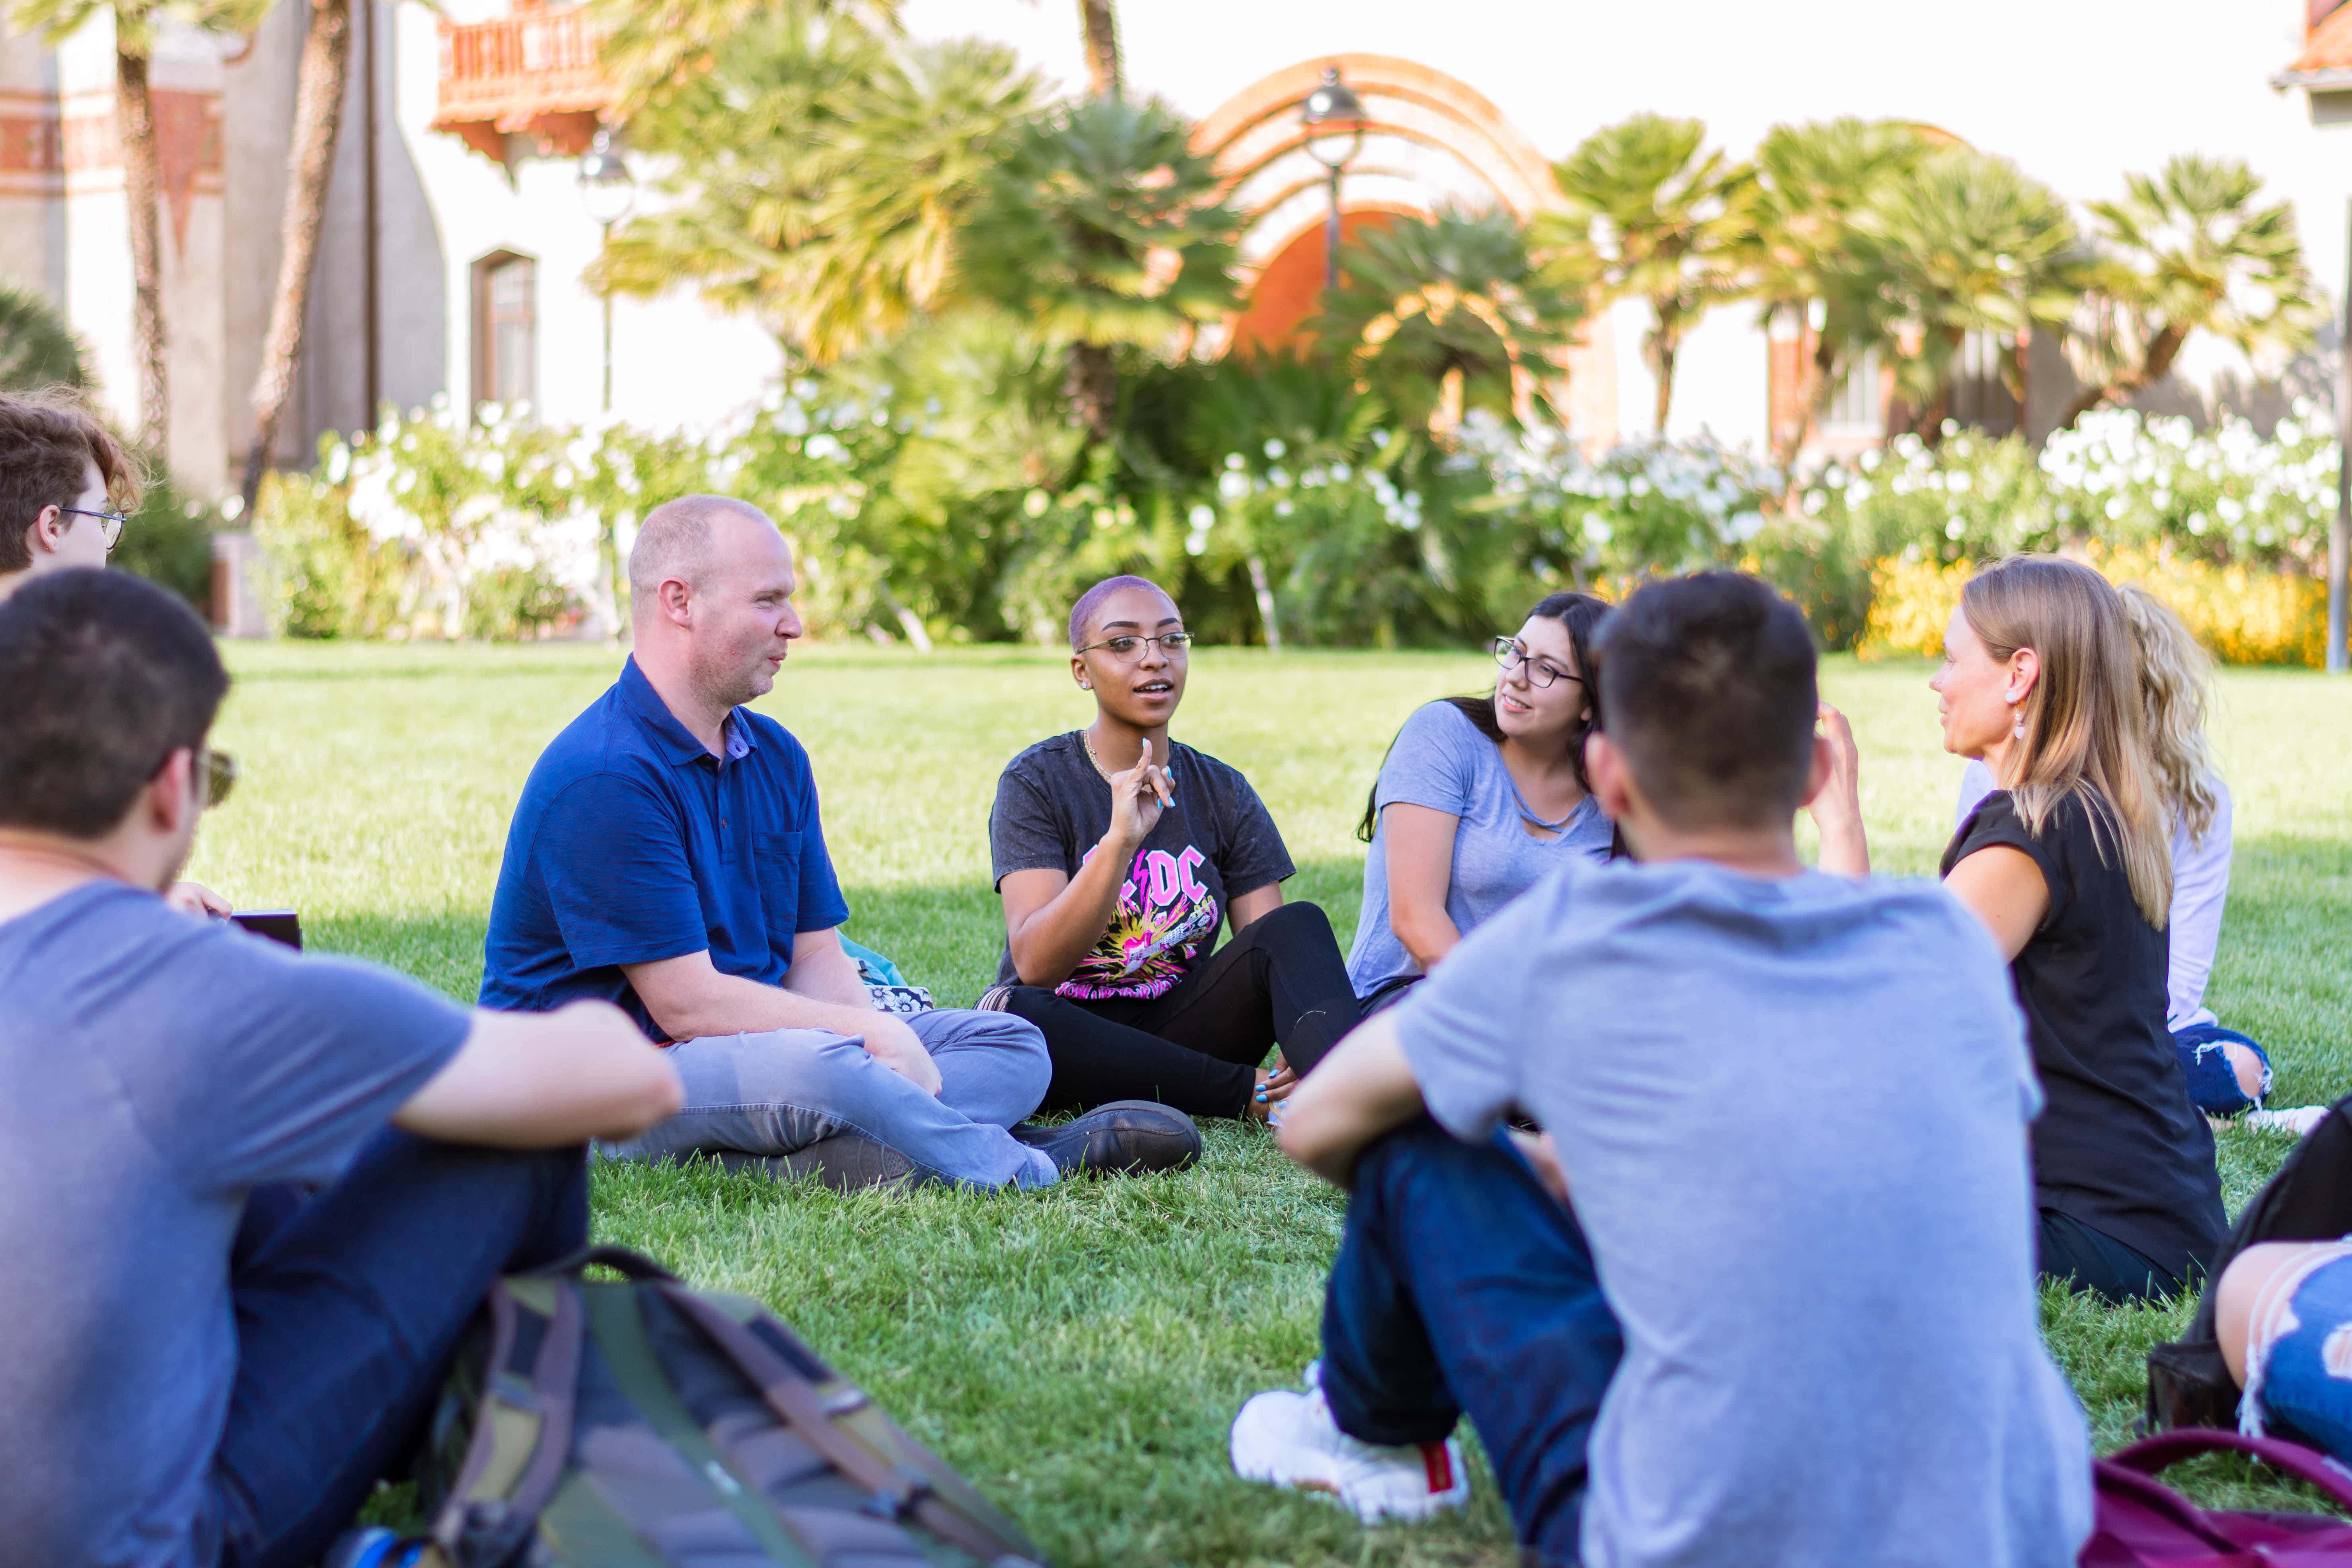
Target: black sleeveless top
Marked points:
2118	1146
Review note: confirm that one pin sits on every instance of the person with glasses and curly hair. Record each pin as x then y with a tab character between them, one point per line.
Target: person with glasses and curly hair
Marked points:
65	486
1119	854
1478	799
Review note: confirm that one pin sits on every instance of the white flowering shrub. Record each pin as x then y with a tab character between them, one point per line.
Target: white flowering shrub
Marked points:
433	525
1651	507
2225	496
967	519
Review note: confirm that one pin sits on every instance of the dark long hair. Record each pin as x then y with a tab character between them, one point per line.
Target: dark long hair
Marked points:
1581	613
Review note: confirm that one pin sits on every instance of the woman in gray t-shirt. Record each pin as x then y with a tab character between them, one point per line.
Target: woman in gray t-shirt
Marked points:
1479	796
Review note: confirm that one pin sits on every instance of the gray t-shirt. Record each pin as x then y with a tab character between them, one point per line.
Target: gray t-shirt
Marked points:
154	1068
1440	761
1792	1116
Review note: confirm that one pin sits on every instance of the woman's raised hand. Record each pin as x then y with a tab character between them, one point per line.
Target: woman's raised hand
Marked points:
1138	796
1836	807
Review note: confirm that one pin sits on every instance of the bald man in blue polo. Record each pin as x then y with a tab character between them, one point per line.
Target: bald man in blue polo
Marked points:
668	856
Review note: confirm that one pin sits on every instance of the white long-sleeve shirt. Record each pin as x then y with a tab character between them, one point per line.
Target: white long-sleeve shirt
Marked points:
2201	887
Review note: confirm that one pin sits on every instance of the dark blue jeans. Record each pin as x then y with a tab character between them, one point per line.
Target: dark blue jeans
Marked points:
2213	1086
349	1305
1462	1285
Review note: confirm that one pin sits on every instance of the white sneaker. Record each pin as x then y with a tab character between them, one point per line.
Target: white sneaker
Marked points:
2298	1120
1291	1440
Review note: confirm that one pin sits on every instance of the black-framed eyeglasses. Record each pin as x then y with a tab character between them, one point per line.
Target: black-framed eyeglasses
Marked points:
1541	672
1128	649
113	522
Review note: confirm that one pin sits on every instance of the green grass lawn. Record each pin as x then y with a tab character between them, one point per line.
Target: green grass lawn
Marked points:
1078	1353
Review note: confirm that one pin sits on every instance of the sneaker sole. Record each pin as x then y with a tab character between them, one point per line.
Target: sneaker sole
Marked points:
844	1163
1251	1463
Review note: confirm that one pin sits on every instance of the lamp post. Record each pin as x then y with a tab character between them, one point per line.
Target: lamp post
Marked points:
1334	106
608	191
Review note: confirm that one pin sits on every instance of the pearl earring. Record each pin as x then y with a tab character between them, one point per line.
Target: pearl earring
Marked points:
2017	729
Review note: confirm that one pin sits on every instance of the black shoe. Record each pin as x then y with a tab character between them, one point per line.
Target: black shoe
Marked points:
1127	1137
846	1163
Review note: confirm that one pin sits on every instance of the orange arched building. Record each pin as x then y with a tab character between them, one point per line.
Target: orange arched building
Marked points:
1429	139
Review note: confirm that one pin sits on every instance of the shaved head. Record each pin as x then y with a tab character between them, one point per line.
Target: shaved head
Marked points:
1090	603
675	542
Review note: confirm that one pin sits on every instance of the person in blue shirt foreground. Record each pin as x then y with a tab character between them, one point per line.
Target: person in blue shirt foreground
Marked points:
667	856
1763	1288
253	1197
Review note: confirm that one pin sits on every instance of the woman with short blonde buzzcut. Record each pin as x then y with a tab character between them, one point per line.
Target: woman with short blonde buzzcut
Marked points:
2068	864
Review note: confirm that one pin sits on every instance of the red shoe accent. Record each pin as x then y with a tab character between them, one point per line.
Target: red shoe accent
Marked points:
1437	1465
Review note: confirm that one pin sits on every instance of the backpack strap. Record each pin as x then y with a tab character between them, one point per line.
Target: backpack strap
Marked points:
898	1491
522	1432
2152	1456
620	1260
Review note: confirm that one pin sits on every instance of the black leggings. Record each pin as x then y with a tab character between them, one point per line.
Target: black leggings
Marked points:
1280	981
2082	1258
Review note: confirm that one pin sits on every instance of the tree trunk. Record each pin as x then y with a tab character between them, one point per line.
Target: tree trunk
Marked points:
1262	591
1817	382
1098	21
1928	423
1092	388
318	121
2162	350
134	113
1663	342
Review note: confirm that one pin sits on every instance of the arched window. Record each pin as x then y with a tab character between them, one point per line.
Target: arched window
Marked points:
505	329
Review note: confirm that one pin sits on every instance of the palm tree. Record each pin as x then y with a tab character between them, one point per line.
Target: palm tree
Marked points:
1811	184
1659	217
826	173
38	348
655	46
2188	250
309	163
1966	243
1449	314
1104	229
1099	29
134	113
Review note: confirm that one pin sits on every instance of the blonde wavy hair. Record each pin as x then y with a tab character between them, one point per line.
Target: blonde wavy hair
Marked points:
2176	677
2085	721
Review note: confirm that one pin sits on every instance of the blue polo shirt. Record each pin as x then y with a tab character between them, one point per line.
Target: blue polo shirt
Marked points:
632	842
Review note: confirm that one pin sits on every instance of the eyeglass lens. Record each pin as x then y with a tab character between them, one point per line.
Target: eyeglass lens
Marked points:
1509	654
220	777
1173	643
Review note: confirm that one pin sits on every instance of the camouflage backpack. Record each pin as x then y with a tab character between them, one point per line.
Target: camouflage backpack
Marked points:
640	1424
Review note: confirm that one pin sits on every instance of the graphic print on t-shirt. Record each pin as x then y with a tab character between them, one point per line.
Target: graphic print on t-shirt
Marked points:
1163	920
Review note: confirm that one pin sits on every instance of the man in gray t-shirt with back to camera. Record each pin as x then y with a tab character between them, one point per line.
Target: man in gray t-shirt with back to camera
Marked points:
250	1198
1790	1316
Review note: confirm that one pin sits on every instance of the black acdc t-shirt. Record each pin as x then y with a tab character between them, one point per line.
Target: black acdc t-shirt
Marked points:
2118	1146
1053	808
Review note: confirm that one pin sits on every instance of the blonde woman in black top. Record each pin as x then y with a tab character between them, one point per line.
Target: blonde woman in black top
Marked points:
2068	863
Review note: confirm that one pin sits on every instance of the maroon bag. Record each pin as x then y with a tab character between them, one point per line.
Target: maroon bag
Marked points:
2142	1524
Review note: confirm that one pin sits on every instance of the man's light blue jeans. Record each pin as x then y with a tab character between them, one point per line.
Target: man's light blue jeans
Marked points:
781	1091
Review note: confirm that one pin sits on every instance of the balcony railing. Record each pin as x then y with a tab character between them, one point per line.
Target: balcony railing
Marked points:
533	73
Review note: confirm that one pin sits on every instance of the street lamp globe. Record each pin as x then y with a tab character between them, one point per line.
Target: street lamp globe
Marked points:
1334	118
607	189
1335	105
